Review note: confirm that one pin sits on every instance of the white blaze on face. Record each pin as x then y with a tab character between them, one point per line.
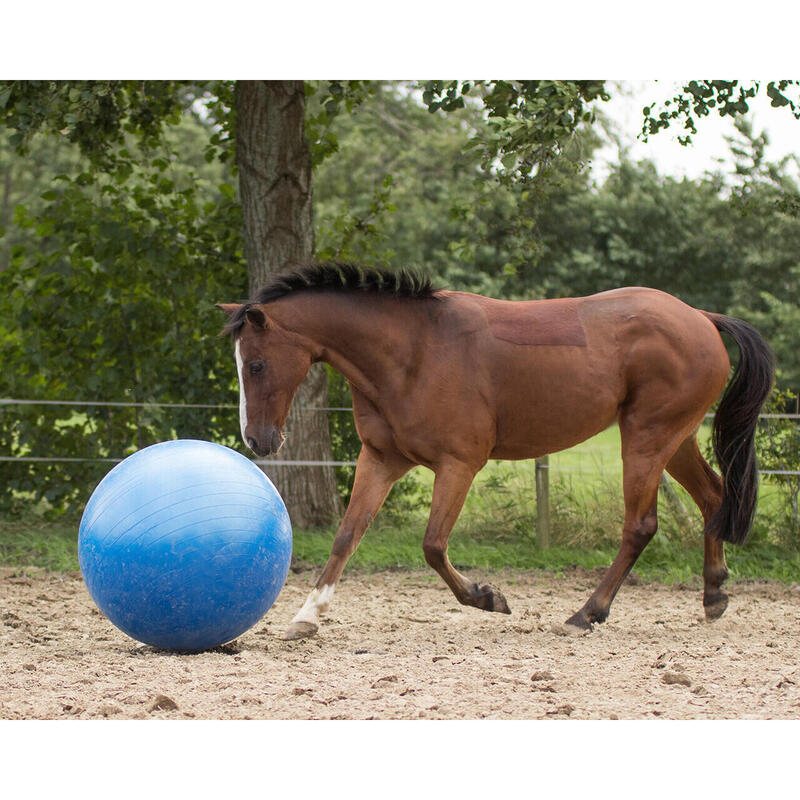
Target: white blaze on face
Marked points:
242	399
316	603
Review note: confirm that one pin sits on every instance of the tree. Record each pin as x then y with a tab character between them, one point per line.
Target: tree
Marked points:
700	98
528	122
407	189
274	164
765	198
107	119
109	302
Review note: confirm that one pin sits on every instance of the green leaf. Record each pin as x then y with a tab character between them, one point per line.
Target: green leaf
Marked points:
777	98
44	227
509	160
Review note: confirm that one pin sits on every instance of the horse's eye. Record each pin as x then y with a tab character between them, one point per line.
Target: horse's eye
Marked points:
256	367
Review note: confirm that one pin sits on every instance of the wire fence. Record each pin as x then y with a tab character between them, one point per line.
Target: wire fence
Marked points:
7	401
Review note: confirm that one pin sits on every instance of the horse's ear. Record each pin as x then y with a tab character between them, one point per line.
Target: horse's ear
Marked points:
229	308
257	318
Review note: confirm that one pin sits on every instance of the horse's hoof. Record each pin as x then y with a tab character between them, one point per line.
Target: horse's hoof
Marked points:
578	621
300	630
715	606
491	599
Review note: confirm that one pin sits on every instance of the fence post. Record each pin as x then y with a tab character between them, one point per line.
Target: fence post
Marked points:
543	501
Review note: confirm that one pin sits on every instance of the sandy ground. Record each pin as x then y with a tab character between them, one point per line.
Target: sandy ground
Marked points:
396	645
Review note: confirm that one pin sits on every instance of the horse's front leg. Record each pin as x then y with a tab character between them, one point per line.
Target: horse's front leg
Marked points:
450	489
376	473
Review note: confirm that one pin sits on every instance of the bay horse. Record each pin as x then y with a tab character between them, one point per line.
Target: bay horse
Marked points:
449	380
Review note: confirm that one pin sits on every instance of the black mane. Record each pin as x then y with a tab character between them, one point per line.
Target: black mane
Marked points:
331	276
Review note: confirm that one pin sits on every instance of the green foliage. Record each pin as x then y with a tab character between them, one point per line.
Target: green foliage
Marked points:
729	98
95	115
344	439
354	237
213	104
442	213
778	319
765	203
325	101
386	197
778	445
23	180
528	122
644	229
113	263
109	296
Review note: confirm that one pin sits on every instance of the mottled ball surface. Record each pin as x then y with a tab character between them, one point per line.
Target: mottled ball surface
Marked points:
185	545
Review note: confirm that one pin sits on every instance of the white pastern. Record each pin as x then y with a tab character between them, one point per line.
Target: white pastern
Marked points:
242	399
316	603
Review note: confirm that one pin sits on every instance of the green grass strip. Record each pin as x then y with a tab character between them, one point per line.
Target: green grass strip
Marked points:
54	546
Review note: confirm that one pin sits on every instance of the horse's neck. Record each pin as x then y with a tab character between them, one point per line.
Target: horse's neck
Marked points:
365	337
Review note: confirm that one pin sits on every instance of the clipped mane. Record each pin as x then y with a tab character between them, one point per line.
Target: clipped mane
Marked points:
336	277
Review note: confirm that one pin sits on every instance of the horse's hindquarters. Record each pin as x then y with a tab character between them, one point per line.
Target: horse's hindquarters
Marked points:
643	348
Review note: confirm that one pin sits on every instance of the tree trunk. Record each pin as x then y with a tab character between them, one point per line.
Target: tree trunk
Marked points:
275	188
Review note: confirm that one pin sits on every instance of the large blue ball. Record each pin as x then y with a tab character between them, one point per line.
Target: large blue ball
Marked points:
185	545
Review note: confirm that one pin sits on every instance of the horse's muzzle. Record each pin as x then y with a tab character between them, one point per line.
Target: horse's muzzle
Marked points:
265	442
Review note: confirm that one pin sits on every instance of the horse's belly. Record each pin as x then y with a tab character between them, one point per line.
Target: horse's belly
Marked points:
553	405
530	439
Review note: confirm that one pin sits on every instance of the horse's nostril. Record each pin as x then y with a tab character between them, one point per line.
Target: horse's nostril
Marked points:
251	443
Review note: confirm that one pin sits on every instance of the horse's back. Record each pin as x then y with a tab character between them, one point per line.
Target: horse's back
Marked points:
627	314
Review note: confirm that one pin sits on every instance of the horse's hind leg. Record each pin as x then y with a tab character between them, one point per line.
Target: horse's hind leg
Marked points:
645	452
376	473
641	523
450	489
691	470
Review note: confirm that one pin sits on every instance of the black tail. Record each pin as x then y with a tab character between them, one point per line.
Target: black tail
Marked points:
734	429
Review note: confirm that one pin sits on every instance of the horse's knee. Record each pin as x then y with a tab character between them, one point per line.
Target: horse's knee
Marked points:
434	554
342	544
642	530
648	525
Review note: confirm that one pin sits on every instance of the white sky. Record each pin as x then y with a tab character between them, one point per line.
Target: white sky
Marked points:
708	146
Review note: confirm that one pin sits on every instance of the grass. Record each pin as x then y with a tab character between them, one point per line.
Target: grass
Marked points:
497	526
35	543
54	547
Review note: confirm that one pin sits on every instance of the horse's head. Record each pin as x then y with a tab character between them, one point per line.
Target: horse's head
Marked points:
271	363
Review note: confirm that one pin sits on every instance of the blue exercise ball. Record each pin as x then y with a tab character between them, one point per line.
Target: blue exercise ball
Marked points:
185	545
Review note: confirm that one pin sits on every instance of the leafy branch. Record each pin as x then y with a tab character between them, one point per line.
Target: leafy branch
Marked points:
700	98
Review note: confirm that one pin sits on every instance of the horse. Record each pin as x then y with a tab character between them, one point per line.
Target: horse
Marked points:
449	380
